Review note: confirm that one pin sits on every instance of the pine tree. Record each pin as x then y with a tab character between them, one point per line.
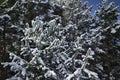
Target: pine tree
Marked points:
50	56
107	20
61	40
49	51
13	17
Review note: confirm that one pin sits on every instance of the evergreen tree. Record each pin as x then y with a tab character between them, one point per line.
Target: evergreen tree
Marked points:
59	40
107	20
14	14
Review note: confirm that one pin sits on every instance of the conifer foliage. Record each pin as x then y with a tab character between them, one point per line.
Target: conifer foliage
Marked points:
61	40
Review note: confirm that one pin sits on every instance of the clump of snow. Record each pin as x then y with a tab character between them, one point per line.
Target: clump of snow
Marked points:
51	74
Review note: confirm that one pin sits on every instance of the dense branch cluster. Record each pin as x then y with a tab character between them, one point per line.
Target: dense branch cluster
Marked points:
60	40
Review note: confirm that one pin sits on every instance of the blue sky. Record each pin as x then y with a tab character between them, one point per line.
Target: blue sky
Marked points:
94	3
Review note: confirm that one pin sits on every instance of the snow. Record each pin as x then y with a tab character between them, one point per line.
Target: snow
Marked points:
90	73
117	27
69	77
5	16
99	66
113	30
59	49
50	73
23	72
100	50
15	78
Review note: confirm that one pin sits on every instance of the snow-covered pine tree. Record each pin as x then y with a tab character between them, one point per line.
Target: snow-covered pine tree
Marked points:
13	17
50	56
50	51
76	11
107	21
53	50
